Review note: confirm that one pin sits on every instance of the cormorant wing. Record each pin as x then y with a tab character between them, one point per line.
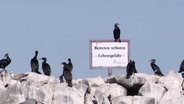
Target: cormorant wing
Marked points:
69	66
4	63
181	66
155	68
46	69
116	32
34	64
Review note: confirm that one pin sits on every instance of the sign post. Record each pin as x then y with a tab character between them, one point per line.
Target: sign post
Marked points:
109	54
109	72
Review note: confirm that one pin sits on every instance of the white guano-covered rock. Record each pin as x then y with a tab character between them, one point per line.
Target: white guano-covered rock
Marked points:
133	100
136	79
172	81
140	88
104	93
67	95
153	90
95	81
172	96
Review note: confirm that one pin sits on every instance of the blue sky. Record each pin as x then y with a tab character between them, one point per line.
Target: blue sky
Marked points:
62	29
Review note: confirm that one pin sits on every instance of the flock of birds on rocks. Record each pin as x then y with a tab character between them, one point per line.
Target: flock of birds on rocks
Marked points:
131	69
68	67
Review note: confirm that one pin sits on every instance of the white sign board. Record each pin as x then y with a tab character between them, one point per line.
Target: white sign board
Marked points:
109	54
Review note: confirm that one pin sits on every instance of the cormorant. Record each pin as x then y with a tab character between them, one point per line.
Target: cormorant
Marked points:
155	68
67	74
70	65
131	69
181	67
34	63
5	62
116	33
46	67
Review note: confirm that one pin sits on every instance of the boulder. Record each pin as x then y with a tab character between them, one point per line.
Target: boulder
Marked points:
95	81
104	93
152	90
172	81
133	100
67	95
140	88
172	96
144	100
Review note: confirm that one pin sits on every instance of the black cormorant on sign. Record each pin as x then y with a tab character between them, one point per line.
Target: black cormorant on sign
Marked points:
5	62
131	69
116	33
181	67
155	68
46	67
34	63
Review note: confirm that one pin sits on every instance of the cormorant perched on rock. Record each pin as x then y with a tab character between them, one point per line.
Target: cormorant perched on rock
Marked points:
35	64
155	68
46	67
181	67
67	74
131	69
5	62
116	33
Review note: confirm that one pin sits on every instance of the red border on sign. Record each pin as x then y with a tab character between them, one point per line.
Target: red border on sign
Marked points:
102	67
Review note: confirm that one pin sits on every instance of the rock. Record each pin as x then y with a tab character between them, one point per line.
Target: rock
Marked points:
133	100
133	84
152	90
147	77
29	101
144	100
140	88
12	95
112	89
172	81
2	86
122	100
5	77
104	93
68	95
172	96
95	81
135	79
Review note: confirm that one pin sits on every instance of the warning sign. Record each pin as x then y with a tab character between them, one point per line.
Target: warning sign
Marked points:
109	54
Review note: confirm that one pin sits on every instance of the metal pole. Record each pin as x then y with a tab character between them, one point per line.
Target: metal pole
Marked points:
109	72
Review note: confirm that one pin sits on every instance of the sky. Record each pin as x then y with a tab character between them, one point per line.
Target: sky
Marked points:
61	29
